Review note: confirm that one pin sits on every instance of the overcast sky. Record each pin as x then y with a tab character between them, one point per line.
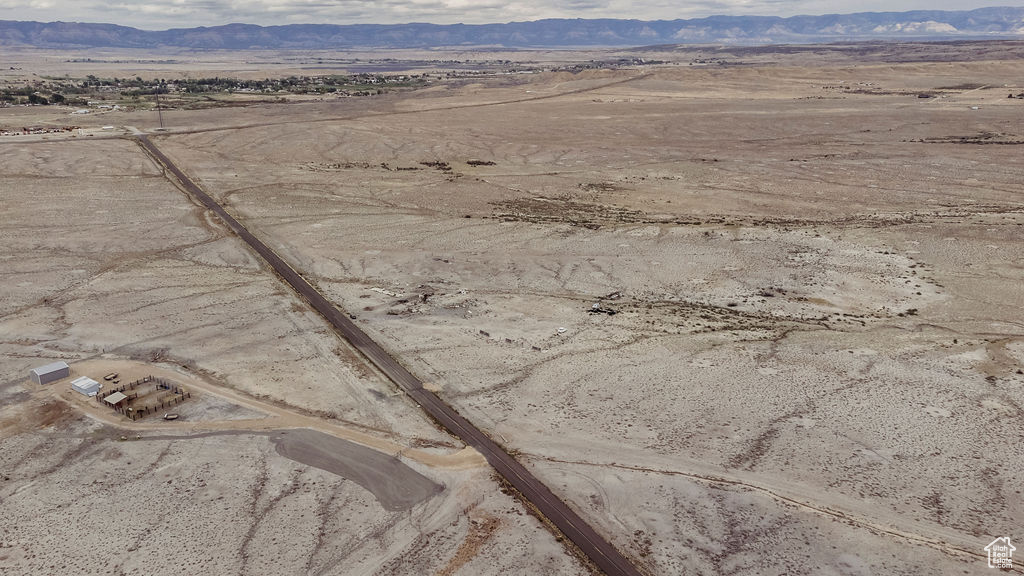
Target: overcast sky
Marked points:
162	14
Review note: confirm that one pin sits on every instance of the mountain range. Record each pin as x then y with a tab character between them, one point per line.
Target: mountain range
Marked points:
1000	22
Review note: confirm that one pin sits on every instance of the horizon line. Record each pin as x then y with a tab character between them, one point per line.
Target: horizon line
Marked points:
511	22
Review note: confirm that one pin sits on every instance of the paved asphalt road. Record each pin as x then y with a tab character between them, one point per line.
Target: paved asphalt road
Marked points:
599	550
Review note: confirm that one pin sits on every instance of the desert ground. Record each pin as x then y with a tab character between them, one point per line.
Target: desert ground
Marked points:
764	317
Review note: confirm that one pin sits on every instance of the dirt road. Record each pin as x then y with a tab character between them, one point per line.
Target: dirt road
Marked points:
271	417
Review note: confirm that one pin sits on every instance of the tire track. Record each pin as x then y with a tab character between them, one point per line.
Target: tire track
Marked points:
851	519
407	112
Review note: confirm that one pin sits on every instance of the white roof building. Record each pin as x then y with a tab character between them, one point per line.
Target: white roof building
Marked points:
85	385
114	398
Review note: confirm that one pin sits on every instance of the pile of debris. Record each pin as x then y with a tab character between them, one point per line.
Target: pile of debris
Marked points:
599	309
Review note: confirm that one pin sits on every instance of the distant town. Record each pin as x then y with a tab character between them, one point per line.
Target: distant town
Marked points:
136	91
191	93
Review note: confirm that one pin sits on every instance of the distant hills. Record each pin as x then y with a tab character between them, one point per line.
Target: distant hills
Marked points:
916	25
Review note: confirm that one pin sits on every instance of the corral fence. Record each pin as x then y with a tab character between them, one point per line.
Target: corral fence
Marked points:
173	396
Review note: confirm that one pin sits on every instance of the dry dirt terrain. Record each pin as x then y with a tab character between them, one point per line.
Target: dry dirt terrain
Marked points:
746	319
109	267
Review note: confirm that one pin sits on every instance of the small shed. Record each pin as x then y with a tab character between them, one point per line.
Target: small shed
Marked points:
85	385
50	372
115	398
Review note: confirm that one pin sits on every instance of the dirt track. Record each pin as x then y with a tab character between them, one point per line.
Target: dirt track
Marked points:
396	486
276	417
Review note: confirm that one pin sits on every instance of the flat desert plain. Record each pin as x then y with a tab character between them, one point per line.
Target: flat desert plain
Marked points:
760	318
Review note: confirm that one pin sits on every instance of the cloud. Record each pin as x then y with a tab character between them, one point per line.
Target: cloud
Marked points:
161	14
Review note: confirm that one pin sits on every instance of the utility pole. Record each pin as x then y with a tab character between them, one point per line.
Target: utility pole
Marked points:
159	112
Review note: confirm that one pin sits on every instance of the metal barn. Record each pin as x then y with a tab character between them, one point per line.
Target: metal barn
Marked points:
50	372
